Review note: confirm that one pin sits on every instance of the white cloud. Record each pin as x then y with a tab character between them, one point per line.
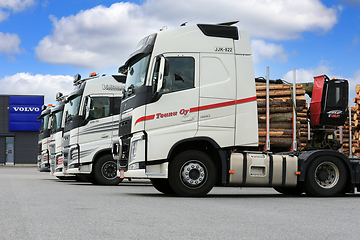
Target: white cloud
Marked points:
97	38
26	83
9	43
354	43
268	19
353	81
3	15
262	50
307	75
14	6
103	37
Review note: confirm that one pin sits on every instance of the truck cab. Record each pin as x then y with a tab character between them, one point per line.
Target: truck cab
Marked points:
91	120
43	160
56	137
184	89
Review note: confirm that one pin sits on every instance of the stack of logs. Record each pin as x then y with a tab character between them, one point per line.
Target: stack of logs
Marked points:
281	119
281	115
346	134
355	127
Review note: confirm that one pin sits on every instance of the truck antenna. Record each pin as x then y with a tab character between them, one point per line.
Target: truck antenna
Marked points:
184	23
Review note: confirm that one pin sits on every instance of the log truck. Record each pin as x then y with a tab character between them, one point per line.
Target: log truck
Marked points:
189	120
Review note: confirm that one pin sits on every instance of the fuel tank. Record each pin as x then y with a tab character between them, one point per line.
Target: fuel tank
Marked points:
262	170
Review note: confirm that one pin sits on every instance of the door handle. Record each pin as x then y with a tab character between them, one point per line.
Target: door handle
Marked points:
188	118
104	135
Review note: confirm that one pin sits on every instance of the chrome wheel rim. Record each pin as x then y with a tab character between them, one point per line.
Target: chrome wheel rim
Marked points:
327	175
193	174
108	170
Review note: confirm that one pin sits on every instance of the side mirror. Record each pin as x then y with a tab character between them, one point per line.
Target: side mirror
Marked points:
167	67
163	71
88	107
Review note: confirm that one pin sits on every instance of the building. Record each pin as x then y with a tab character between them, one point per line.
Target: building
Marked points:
19	128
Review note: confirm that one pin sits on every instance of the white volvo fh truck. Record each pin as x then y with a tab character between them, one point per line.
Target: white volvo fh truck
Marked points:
56	137
189	120
43	159
91	121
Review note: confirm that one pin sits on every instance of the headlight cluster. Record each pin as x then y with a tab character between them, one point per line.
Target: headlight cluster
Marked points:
133	151
134	166
133	147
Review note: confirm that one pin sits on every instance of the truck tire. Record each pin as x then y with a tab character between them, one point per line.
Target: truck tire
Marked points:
325	176
290	191
192	174
105	171
162	185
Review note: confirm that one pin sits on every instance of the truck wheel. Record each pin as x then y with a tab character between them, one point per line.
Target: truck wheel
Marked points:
162	185
325	176
290	191
105	171
192	173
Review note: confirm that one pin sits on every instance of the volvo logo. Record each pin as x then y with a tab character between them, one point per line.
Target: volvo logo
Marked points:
26	109
111	87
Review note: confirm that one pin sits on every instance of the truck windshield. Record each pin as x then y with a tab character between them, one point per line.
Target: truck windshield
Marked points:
74	106
136	72
44	122
56	120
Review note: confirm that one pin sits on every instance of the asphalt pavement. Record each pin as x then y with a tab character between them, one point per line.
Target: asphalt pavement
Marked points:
36	205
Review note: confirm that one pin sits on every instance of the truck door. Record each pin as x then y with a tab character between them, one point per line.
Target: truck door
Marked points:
174	108
96	133
217	98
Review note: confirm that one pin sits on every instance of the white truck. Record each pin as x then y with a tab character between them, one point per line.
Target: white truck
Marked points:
189	120
91	121
43	158
56	137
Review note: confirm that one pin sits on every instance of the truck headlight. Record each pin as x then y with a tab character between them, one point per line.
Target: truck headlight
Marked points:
133	150
133	147
134	166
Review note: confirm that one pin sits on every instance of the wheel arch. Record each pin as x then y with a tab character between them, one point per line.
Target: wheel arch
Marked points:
207	146
306	158
99	154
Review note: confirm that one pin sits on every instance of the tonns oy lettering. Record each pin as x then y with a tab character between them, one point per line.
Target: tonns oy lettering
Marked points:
164	115
172	114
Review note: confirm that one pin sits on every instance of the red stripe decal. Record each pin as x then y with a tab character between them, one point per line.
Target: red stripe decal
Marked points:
211	106
145	118
245	100
224	104
206	107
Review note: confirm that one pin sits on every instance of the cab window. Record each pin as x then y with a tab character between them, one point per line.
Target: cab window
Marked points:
100	108
181	74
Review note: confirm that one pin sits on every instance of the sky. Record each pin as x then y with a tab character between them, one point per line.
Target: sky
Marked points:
44	43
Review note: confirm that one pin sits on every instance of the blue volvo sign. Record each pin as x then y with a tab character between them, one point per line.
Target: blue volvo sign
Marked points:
23	113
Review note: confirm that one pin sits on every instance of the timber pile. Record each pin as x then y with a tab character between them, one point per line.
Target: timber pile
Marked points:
346	134
281	115
355	117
